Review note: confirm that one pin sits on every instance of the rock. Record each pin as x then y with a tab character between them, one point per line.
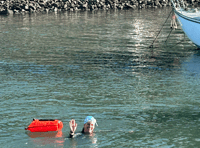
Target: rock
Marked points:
19	6
130	6
47	10
9	11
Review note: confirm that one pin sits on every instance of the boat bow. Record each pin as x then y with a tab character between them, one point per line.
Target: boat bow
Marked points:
189	21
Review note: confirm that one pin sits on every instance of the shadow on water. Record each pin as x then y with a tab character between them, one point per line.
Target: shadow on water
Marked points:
192	65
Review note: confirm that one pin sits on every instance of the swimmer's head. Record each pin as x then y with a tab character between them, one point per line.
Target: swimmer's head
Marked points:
89	124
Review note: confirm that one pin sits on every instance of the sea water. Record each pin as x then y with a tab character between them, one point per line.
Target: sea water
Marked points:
72	64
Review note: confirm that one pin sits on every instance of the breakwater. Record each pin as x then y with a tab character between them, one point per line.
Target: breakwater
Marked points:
22	6
31	6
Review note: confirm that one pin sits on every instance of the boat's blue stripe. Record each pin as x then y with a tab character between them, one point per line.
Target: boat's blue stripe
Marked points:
187	18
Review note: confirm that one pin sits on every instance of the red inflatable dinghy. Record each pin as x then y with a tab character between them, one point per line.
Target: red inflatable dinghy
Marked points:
45	125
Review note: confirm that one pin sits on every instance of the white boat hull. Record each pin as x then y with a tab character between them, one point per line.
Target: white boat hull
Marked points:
190	25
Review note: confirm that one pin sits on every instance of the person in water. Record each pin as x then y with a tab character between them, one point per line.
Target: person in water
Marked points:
88	128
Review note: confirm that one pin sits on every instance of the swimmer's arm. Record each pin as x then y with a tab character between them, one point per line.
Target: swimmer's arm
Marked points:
74	135
71	135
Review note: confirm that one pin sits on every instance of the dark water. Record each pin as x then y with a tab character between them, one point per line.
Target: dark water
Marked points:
74	64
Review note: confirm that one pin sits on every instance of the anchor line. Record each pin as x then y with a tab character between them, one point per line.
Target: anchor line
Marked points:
151	46
168	35
177	43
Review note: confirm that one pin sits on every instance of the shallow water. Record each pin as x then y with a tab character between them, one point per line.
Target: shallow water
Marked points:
74	64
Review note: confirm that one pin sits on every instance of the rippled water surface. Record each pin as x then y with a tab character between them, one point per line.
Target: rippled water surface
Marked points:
74	64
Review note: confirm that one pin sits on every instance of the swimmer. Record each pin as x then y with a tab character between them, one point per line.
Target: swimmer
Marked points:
88	128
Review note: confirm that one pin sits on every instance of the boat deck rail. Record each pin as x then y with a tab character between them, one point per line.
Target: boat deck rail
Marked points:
180	7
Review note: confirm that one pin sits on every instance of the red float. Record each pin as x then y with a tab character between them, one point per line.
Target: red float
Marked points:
45	125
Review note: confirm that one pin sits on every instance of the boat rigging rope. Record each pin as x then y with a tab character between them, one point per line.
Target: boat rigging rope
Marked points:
151	46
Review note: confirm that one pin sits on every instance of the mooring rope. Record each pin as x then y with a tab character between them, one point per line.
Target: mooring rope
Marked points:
168	35
178	43
151	46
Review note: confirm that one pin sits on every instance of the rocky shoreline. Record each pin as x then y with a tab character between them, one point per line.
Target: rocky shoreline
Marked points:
33	6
